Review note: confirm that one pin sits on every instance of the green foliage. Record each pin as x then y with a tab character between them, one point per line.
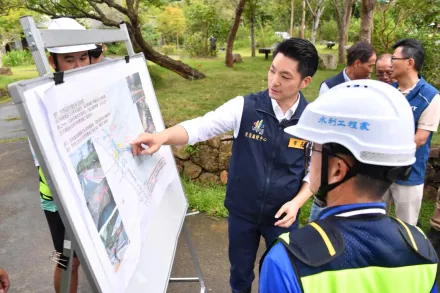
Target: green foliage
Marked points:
196	45
171	21
203	21
17	57
168	49
432	55
265	37
353	31
191	149
116	49
329	30
150	34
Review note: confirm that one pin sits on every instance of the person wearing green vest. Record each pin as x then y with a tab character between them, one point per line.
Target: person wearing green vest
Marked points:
360	139
62	59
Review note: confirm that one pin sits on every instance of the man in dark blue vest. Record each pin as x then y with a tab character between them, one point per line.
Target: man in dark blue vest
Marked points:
265	185
407	62
361	58
361	136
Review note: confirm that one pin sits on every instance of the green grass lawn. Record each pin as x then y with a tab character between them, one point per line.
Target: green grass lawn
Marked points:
18	73
187	99
180	99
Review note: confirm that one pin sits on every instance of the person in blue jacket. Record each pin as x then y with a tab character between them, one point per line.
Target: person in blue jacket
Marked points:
360	138
407	61
265	186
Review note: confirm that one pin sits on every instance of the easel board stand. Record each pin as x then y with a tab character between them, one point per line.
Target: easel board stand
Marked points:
38	41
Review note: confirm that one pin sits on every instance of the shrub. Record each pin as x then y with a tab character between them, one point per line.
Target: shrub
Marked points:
168	49
18	57
116	49
329	30
196	44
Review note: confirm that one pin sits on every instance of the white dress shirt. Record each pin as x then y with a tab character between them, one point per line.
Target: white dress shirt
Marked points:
225	118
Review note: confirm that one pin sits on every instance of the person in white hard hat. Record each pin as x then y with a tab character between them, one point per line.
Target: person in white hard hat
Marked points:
62	59
71	57
360	138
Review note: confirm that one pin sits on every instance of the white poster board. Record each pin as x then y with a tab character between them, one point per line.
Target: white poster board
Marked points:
124	213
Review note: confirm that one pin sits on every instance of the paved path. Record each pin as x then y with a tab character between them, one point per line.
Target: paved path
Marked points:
11	125
25	243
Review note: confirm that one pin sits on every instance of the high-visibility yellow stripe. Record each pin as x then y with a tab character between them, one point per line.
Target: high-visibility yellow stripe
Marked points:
42	175
44	189
409	279
423	233
324	236
285	237
409	234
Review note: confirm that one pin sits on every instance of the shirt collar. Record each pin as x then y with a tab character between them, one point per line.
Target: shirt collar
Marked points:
408	90
349	210
346	78
289	113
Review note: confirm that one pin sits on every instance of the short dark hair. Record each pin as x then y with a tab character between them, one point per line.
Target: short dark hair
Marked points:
369	178
301	51
361	50
412	48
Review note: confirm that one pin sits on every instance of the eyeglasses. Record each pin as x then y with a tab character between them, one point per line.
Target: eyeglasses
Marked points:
382	74
308	152
399	58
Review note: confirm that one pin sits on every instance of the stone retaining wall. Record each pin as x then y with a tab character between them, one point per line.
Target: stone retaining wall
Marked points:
206	161
209	162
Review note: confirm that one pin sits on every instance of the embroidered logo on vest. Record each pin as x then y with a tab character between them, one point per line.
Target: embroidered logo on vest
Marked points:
258	127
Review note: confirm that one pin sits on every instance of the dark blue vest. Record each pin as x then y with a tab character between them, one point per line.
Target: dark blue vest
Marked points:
419	98
335	80
264	172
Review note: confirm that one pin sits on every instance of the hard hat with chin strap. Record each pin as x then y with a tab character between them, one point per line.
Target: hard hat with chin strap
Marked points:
66	23
371	120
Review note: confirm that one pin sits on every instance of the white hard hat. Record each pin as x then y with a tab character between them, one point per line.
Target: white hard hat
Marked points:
372	119
66	23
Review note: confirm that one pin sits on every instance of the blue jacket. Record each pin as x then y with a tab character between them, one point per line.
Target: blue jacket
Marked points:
267	165
419	98
369	252
335	80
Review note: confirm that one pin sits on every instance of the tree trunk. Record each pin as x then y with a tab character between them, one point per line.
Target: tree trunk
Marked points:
232	33
367	13
316	17
314	28
253	34
341	49
348	9
177	41
303	20
162	60
292	11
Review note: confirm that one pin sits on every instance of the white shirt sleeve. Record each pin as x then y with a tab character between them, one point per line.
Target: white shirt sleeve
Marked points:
307	177
323	88
225	118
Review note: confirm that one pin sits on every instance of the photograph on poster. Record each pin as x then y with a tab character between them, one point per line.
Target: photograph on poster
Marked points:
138	95
115	239
100	201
